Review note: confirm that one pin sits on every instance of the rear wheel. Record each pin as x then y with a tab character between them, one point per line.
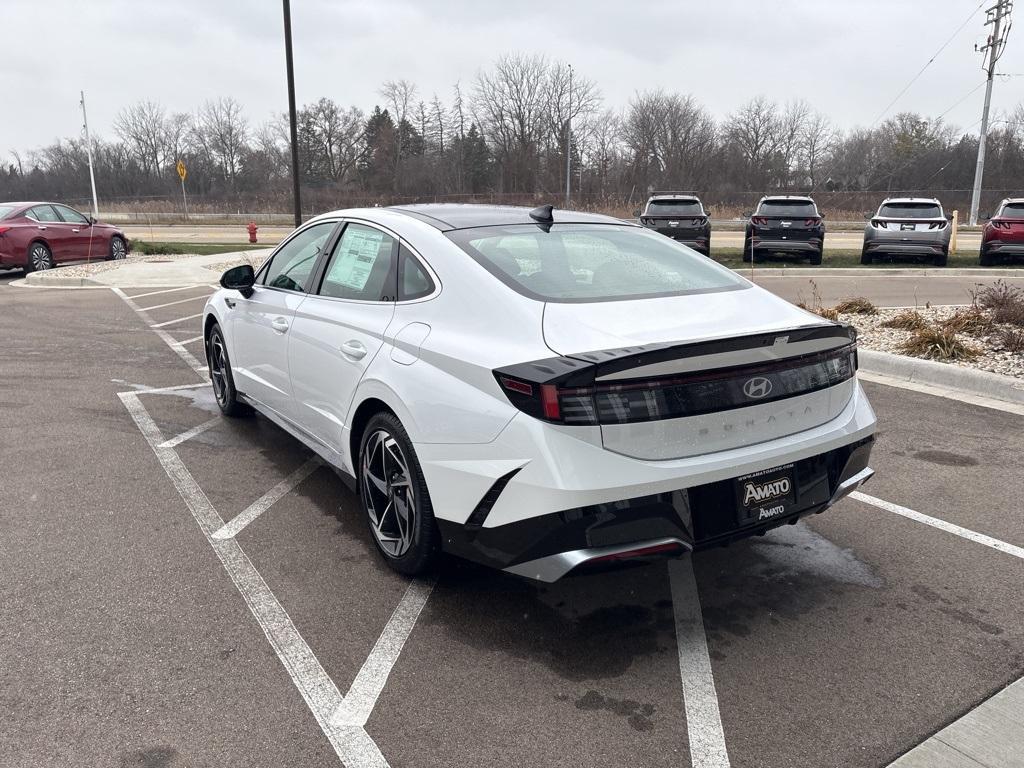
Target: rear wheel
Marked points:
220	375
942	259
747	248
815	257
986	259
118	249
865	257
394	497
39	257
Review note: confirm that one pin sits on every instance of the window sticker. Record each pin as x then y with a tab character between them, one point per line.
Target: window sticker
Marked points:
357	252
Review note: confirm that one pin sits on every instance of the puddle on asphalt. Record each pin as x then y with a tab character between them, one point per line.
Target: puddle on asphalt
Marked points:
797	550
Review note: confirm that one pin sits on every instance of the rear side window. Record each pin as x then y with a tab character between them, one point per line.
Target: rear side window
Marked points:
413	280
6	210
794	208
44	213
1010	211
362	267
592	262
675	208
290	267
910	211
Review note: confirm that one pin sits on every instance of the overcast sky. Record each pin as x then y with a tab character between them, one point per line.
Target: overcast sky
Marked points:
848	59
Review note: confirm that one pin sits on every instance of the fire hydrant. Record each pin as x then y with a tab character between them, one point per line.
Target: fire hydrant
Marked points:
252	231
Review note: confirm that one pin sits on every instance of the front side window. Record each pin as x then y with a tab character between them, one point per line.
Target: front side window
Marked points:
362	267
70	215
44	213
794	208
592	262
674	208
910	211
294	261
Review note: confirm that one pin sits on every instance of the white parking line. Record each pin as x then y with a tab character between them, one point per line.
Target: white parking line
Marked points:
263	503
192	340
942	525
175	322
352	744
179	301
366	688
166	290
169	340
189	434
700	699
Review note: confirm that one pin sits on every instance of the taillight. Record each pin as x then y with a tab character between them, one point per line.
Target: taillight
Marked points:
936	225
3	229
670	397
879	224
997	224
812	222
699	222
760	221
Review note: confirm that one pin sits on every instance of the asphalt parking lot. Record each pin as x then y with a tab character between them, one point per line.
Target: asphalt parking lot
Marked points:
183	590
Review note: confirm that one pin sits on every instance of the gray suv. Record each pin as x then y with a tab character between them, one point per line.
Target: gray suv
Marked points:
907	226
681	216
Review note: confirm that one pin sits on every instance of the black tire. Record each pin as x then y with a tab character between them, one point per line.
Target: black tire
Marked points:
39	257
943	258
986	259
219	366
865	257
411	548
757	257
118	248
747	257
815	258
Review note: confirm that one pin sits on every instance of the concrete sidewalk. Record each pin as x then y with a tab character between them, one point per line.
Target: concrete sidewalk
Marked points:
152	271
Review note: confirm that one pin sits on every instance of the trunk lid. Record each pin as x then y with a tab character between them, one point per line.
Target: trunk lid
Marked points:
743	366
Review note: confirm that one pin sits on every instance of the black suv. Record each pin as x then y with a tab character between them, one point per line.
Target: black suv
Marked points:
681	216
787	225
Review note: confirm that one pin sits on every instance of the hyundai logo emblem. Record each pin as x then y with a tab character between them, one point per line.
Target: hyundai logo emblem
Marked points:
757	387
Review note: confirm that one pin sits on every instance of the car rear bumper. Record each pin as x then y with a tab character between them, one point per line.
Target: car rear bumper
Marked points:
545	493
909	247
786	246
1003	249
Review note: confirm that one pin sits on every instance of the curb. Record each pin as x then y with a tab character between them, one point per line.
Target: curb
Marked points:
41	280
879	272
995	386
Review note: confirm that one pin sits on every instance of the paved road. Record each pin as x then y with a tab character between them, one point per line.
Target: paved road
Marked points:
882	289
843	641
851	240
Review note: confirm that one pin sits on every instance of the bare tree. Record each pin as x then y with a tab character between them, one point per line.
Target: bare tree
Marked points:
399	95
221	131
142	128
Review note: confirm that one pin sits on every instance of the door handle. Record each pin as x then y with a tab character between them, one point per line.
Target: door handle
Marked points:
40	227
353	349
279	324
75	231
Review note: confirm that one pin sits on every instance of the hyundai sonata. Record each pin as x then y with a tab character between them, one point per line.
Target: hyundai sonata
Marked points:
540	391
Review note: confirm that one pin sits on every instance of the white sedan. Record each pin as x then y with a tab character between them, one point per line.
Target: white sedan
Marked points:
540	391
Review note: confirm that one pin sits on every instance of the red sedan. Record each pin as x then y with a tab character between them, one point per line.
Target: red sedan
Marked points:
1003	235
41	235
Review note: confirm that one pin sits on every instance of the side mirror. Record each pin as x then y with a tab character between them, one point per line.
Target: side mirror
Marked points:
92	220
239	279
636	213
984	216
747	214
867	215
949	217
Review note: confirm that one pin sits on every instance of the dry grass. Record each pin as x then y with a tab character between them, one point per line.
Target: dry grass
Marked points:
972	320
1009	339
816	305
1004	301
908	320
938	343
856	305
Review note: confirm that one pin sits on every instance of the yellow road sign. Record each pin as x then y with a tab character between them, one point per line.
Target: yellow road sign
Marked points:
181	170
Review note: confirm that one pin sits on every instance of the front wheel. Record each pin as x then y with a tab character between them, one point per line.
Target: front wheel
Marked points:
39	257
118	249
220	375
394	497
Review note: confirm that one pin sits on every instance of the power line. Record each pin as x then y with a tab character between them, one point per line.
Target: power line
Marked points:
928	64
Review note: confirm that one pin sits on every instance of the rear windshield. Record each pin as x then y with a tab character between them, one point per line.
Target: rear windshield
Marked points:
1010	211
6	210
592	262
674	208
910	211
787	208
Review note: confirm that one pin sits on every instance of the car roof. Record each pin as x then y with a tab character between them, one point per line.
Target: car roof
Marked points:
1014	200
16	204
673	196
449	216
797	198
934	200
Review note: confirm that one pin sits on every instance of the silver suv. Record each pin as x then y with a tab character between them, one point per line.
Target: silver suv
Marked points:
907	226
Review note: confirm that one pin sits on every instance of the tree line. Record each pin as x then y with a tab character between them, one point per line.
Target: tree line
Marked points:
505	137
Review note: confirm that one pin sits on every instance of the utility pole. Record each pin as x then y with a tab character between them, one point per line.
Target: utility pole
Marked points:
568	143
994	47
88	151
291	111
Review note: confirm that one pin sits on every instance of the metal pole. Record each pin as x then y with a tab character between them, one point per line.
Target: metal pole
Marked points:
184	200
568	144
994	47
88	150
291	111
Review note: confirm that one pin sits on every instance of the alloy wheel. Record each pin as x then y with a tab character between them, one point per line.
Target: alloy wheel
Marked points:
218	367
41	258
117	248
389	494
